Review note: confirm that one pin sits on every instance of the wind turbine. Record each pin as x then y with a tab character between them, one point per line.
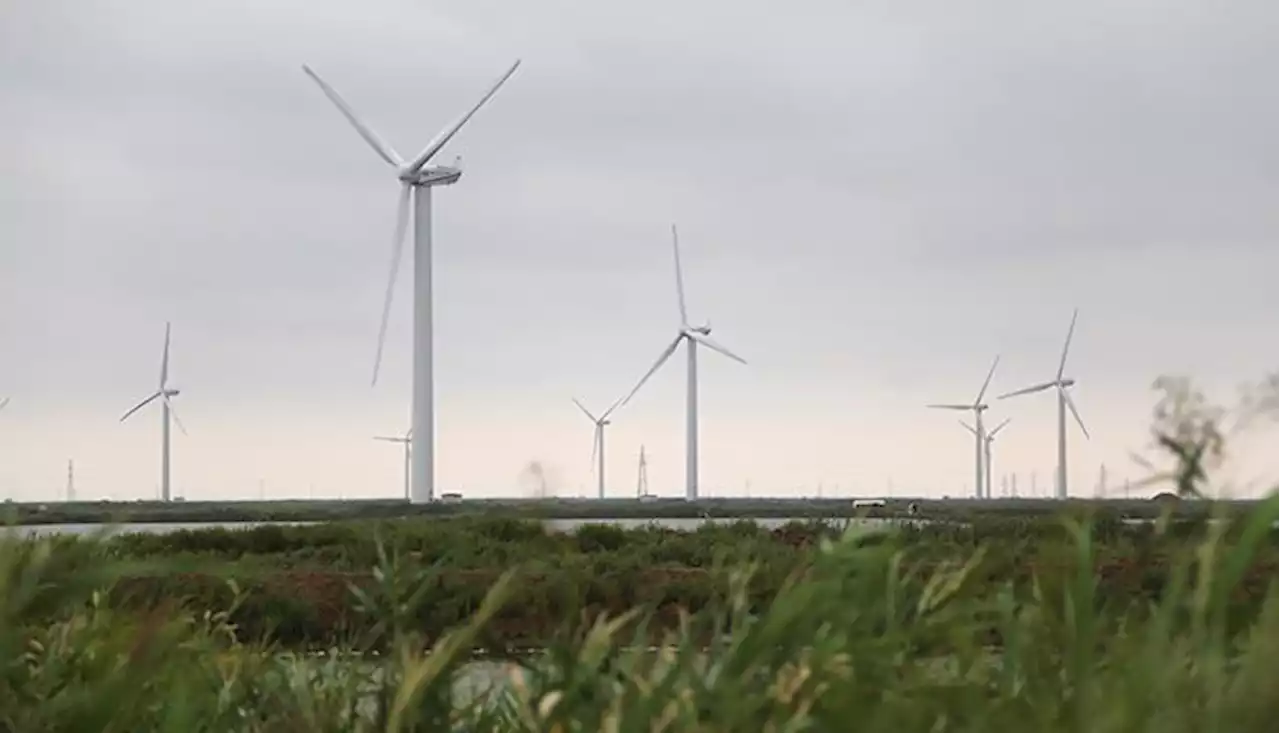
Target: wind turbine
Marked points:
987	441
1061	384
167	413
597	442
407	440
416	181
978	407
692	336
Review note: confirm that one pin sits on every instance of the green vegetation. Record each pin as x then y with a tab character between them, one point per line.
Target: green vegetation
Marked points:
1001	625
327	511
1078	622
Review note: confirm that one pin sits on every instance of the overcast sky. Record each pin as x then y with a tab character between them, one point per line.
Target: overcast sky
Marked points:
874	198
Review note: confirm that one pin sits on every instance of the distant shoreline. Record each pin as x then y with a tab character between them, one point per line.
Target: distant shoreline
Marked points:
16	513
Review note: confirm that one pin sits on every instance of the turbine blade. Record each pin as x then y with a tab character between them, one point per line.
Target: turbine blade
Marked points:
397	254
585	411
1062	365
1028	390
389	439
140	405
997	429
174	414
662	358
4	402
595	447
707	342
967	426
675	247
616	404
1071	405
447	134
408	436
164	359
990	373
384	151
950	407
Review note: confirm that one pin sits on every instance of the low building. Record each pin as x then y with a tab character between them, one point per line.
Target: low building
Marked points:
451	498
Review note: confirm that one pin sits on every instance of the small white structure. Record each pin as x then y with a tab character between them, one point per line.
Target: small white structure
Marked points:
451	498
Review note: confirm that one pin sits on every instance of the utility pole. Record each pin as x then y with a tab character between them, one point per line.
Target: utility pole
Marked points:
71	480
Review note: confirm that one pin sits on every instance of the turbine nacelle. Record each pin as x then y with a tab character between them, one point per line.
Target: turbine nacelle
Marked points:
436	175
171	392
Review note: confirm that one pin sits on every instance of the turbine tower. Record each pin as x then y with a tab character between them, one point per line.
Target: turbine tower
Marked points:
987	441
416	181
691	336
597	442
1061	384
642	476
979	434
167	414
407	440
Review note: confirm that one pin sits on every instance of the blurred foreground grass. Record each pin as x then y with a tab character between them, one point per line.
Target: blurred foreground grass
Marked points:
858	642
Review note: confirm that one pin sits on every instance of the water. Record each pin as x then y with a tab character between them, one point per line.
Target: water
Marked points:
557	525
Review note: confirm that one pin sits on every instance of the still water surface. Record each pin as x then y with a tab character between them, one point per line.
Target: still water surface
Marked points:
558	525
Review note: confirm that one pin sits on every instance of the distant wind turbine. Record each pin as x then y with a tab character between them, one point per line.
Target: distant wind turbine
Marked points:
1061	384
416	180
167	413
977	407
597	442
407	440
692	336
987	441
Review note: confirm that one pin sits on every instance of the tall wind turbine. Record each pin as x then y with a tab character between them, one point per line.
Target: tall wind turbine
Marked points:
407	440
987	441
167	414
416	181
597	442
1061	384
977	407
692	336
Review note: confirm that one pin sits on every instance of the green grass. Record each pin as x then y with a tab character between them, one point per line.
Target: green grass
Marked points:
866	635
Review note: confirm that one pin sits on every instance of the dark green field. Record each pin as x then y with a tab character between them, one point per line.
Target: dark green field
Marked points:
318	511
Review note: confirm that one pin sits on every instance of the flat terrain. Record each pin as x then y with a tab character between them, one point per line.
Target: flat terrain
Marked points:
326	510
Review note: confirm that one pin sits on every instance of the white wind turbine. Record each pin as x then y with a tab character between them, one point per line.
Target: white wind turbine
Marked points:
1061	384
416	181
167	413
987	441
692	336
407	440
977	407
597	442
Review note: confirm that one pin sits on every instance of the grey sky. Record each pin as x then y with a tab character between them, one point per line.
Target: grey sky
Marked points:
874	199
